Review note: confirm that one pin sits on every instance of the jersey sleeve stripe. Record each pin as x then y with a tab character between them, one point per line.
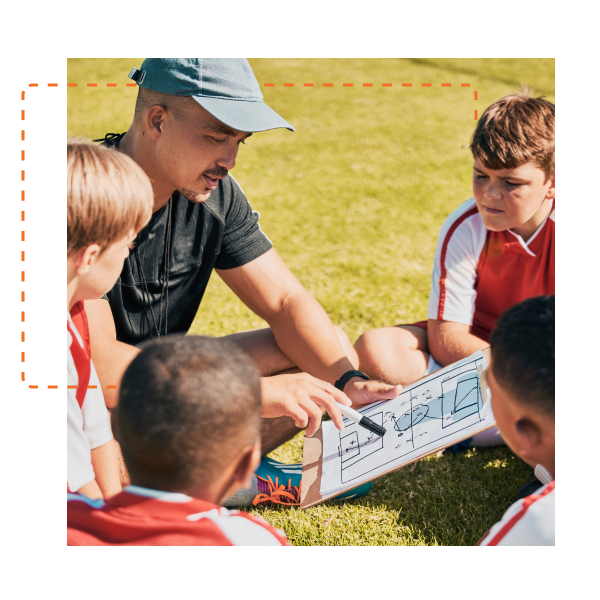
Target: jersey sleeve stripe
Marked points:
517	517
443	273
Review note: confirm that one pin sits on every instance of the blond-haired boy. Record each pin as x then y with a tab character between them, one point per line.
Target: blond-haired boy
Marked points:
109	199
494	251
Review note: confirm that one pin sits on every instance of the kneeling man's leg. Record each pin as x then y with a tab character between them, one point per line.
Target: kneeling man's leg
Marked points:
397	355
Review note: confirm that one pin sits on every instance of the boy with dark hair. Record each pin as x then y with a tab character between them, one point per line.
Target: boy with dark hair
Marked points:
494	251
188	421
521	379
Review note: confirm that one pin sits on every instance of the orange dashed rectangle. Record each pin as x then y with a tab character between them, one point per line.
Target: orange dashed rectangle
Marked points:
33	85
53	85
111	85
367	85
475	115
71	85
446	85
22	316
328	85
131	84
269	85
22	195
22	296
33	387
22	175
426	84
71	387
407	85
348	84
22	356
22	154
22	115
22	275
22	255
23	133
52	387
92	85
22	236
22	336
309	85
288	85
92	387
111	387
386	84
475	95
465	85
22	215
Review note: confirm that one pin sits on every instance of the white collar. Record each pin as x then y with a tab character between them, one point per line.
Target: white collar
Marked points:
158	495
525	245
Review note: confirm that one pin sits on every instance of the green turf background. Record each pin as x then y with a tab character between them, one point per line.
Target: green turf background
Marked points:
353	201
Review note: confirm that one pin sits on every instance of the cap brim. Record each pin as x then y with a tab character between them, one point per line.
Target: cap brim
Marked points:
243	115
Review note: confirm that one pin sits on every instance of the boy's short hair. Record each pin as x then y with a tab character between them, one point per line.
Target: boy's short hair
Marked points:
188	406
108	195
523	353
515	130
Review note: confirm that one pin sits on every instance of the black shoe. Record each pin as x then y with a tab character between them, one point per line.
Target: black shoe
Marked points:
528	489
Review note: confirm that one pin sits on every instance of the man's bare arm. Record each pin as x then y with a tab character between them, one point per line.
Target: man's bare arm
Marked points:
106	468
449	341
110	357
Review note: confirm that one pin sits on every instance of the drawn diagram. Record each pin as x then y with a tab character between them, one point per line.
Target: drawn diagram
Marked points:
357	445
427	415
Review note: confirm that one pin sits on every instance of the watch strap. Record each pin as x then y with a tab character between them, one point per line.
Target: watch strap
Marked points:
347	376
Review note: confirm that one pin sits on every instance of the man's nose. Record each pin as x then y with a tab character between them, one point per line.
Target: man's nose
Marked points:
227	159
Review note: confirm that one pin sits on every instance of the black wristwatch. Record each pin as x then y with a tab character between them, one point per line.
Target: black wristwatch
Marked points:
346	377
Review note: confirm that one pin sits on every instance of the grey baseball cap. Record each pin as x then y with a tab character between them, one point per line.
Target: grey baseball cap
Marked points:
225	87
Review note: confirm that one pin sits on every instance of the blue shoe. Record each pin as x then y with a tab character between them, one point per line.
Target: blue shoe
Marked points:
461	446
287	478
286	474
358	492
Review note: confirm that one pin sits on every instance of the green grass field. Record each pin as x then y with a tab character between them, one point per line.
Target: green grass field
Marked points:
353	202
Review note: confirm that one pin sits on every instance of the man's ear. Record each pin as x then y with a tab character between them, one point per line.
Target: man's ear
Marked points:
247	464
85	258
529	438
154	121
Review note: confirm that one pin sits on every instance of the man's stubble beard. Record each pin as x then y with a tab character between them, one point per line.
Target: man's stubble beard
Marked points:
194	196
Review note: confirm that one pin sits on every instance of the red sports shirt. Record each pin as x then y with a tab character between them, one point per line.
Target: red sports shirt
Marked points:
478	274
142	517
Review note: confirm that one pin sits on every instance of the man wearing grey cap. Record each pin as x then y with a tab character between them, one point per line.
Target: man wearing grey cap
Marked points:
191	116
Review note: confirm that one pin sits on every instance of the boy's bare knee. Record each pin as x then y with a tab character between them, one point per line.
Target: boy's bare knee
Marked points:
367	347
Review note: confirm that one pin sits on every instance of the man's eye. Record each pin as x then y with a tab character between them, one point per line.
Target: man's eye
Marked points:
514	184
480	177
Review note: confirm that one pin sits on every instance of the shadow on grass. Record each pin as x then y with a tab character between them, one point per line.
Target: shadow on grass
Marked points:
453	499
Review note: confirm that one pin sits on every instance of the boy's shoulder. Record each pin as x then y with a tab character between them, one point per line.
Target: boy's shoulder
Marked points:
168	519
465	220
528	522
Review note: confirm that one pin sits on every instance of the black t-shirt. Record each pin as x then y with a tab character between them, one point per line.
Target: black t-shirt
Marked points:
221	233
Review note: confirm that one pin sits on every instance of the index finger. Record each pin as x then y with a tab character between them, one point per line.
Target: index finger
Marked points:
338	395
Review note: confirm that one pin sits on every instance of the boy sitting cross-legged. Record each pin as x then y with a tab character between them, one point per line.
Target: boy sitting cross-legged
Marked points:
109	199
521	379
494	251
188	421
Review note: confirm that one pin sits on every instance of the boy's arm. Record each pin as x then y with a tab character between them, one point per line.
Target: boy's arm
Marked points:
106	469
91	490
110	357
449	341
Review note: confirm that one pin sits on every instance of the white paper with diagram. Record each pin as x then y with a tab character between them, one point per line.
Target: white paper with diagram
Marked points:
432	413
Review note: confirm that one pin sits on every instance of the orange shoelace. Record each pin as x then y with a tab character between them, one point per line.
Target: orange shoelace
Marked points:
278	494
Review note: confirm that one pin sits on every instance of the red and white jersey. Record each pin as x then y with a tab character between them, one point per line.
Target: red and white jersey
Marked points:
143	517
88	422
528	522
478	274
